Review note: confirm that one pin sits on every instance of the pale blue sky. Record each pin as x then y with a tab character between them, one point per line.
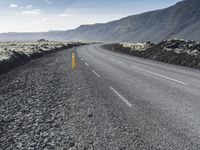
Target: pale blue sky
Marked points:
44	15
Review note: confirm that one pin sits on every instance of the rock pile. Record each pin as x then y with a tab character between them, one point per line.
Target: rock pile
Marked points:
13	54
173	51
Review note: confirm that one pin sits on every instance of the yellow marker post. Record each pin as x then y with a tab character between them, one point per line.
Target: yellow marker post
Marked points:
73	61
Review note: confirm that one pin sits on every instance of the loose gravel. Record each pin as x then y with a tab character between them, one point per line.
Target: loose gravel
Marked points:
47	105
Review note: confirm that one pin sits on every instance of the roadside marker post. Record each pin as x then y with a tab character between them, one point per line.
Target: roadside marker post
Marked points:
73	59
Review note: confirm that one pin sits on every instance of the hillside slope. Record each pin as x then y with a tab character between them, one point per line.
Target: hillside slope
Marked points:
181	20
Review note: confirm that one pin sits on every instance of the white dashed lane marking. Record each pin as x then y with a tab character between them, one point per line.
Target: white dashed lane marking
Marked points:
121	97
96	73
86	64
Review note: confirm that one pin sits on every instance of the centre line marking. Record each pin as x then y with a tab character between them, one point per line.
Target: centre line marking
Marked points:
162	76
82	59
121	97
96	73
86	64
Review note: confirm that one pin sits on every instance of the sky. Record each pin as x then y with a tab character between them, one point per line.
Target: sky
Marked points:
46	15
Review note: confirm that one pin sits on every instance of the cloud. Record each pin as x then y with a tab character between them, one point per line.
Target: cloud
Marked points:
13	5
36	21
48	2
64	15
44	19
29	6
31	12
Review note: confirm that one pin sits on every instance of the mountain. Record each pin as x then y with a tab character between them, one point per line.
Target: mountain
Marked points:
181	20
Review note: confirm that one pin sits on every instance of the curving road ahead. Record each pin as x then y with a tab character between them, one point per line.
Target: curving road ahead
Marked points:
162	100
110	101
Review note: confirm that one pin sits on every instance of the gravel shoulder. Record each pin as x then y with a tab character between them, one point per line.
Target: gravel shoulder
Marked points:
46	105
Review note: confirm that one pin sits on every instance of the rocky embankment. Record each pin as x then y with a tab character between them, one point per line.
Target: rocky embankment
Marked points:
173	51
13	54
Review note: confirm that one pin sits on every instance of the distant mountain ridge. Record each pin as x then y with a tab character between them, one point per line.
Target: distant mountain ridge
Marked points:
181	20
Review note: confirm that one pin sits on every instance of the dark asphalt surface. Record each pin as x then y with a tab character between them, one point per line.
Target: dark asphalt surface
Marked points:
111	101
164	99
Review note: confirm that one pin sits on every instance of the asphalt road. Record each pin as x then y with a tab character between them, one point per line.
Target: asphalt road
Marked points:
110	101
161	100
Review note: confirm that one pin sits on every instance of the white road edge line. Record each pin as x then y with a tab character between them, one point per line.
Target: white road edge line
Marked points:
113	58
120	62
96	73
162	76
86	64
121	97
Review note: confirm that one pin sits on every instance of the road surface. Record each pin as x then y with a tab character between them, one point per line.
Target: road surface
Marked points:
162	100
110	101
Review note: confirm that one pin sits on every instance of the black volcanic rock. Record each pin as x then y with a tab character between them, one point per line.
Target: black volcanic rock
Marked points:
173	51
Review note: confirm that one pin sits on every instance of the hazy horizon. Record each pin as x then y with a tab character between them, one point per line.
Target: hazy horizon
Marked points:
47	15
